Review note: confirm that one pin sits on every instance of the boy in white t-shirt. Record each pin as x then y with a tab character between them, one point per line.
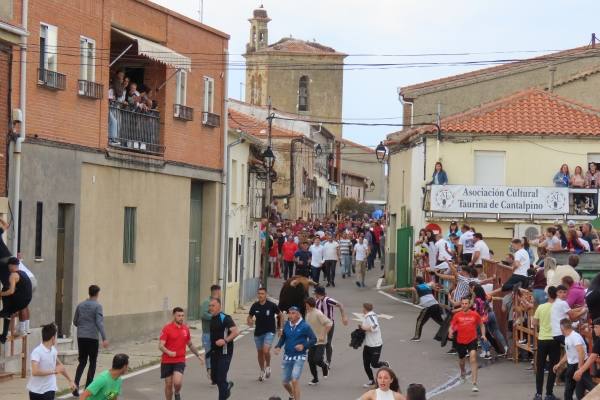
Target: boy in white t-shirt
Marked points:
575	356
360	253
45	365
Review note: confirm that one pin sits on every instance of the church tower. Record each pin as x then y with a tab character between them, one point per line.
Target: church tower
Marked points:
300	77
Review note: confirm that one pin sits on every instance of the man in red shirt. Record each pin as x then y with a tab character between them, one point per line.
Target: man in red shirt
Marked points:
174	339
289	248
463	328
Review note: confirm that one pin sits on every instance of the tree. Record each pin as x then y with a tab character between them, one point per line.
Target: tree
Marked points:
350	206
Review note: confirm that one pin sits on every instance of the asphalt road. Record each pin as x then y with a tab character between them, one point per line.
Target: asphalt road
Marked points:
424	362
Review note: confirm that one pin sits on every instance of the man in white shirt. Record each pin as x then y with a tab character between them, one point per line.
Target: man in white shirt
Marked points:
520	266
575	356
481	251
45	365
331	250
561	310
373	343
360	253
442	249
316	251
466	243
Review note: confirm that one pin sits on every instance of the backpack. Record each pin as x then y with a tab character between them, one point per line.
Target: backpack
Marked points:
357	337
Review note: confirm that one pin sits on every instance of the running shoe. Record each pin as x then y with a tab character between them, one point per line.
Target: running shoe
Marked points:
475	389
415	339
358	284
487	356
313	382
537	396
369	384
463	378
451	351
261	377
75	393
267	372
177	396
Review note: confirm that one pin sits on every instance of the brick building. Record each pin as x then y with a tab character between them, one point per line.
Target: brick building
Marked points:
114	194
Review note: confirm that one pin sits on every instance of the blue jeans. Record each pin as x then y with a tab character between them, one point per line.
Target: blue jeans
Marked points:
292	370
539	295
492	327
206	345
346	263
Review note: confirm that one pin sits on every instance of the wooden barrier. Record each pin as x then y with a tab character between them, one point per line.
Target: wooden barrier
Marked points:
502	274
8	354
524	334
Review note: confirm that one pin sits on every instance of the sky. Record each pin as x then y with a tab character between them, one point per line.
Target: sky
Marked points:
425	29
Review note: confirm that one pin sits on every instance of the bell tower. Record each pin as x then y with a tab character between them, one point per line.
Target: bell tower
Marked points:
259	31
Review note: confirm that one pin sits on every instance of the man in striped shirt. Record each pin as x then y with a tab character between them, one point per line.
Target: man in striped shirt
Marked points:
345	255
326	305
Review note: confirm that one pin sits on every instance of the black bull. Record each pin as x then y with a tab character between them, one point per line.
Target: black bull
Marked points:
294	292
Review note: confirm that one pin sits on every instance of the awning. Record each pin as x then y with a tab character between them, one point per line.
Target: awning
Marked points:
158	52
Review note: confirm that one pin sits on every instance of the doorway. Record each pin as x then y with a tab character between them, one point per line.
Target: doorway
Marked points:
64	268
195	247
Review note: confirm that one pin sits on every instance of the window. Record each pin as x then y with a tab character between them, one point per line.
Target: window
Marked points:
87	69
592	158
48	47
489	167
180	92
39	216
209	94
303	94
129	235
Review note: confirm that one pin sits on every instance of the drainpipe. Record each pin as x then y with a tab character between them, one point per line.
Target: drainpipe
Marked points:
226	221
223	249
292	171
16	196
412	108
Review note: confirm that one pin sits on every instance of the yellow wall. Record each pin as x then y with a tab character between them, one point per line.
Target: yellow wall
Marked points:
161	268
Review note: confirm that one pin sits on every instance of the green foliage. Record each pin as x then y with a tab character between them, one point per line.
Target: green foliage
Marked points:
349	206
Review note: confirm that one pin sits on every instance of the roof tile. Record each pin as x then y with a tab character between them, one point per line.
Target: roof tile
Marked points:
256	127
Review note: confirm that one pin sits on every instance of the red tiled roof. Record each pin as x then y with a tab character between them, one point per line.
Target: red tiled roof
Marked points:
256	127
530	112
541	60
358	145
292	45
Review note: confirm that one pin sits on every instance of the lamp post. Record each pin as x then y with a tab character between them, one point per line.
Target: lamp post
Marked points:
380	152
269	160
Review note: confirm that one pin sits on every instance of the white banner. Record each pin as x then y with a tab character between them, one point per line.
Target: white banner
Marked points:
499	199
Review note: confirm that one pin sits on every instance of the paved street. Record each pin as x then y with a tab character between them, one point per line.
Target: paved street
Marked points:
423	362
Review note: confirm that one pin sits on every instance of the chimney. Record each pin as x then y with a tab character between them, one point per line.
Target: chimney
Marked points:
552	70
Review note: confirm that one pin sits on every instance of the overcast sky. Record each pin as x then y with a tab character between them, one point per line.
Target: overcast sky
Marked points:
403	27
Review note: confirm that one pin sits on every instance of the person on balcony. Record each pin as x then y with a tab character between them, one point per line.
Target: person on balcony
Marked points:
581	201
561	178
592	181
439	176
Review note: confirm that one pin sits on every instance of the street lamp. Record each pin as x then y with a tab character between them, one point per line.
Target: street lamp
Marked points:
318	150
268	157
380	152
371	187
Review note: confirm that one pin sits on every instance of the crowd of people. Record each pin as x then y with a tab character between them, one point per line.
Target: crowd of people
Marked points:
453	289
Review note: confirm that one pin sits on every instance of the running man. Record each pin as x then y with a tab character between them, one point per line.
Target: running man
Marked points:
431	307
89	321
16	295
464	325
297	337
107	385
45	365
575	357
373	343
222	332
206	316
360	253
321	326
326	305
263	314
174	339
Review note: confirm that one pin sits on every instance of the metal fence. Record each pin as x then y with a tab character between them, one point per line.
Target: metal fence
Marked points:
133	130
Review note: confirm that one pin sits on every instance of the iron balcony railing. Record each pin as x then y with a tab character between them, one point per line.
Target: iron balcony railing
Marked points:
134	130
52	79
210	119
89	89
183	112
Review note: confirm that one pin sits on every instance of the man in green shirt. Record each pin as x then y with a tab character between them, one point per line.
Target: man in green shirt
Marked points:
206	316
547	347
107	385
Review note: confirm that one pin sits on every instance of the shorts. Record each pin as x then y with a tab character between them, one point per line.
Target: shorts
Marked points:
513	280
263	340
167	370
292	370
464	349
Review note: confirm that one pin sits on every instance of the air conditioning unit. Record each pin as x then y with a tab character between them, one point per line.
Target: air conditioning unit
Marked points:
529	231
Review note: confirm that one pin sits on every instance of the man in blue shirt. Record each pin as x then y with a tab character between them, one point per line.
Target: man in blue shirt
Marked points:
296	339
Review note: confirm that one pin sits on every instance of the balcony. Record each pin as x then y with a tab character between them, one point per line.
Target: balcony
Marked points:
182	112
134	130
89	89
51	79
210	119
510	202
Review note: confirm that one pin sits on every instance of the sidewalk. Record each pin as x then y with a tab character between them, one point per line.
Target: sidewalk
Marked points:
142	353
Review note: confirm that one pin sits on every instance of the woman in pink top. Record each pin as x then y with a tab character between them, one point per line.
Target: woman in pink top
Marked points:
576	293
